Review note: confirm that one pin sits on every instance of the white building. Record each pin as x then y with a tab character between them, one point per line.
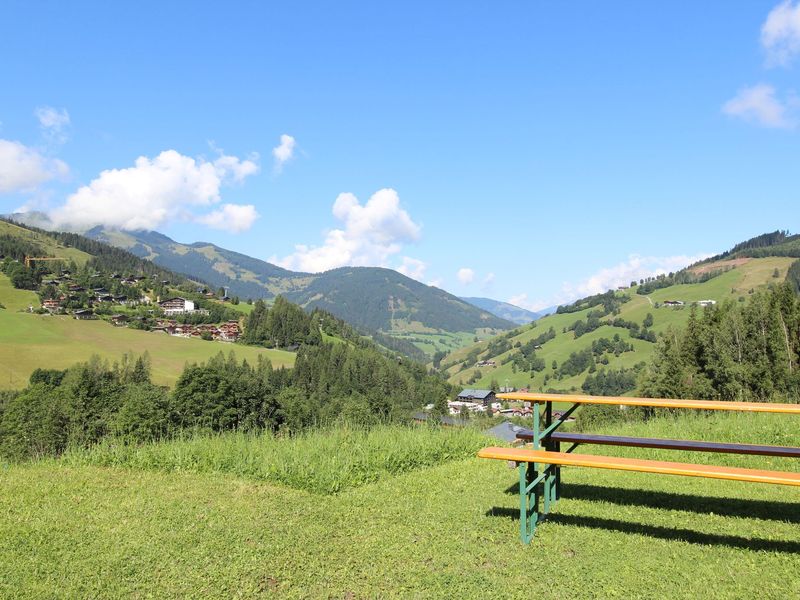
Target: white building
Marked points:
177	306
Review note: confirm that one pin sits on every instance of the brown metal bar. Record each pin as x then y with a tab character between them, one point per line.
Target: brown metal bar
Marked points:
667	444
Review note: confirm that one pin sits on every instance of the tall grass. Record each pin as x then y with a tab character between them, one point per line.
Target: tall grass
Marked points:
324	462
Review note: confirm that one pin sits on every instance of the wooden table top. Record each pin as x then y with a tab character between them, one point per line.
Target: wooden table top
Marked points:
764	407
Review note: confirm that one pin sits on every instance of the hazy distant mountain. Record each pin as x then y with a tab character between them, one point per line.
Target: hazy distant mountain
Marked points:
376	298
510	312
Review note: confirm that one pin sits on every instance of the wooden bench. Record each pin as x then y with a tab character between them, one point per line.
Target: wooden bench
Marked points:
540	469
526	455
577	439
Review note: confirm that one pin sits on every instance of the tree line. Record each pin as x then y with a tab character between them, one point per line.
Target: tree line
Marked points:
82	405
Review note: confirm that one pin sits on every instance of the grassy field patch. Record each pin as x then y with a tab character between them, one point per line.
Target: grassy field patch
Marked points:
320	462
448	531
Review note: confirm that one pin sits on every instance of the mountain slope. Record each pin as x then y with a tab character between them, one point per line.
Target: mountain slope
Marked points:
509	312
370	297
582	342
386	300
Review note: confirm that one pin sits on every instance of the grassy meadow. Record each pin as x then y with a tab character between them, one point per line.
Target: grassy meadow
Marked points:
29	341
201	519
732	284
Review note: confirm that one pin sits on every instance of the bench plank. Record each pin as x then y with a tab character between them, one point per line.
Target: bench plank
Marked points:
766	407
642	466
667	444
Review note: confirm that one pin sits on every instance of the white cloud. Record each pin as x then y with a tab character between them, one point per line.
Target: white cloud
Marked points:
522	301
436	282
236	169
413	267
371	234
759	104
284	152
780	33
488	281
234	218
465	275
53	122
23	169
155	191
635	268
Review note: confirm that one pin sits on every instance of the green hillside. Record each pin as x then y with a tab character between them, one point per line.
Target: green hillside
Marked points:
373	299
740	278
29	341
42	244
214	520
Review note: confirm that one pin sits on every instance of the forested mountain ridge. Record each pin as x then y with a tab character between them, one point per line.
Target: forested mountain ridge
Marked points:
370	297
604	344
386	300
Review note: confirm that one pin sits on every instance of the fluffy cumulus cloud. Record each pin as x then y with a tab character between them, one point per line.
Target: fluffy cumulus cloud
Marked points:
635	268
413	267
157	190
465	275
760	104
283	152
23	169
54	122
234	218
370	235
780	33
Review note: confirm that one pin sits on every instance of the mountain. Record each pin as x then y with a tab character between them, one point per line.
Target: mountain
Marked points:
510	312
373	298
607	336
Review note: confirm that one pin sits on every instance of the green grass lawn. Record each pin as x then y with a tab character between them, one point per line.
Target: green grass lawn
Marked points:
70	529
28	341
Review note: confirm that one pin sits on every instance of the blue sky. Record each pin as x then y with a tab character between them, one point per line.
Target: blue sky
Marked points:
521	150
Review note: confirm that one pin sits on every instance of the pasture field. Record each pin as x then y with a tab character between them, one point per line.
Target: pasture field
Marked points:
73	528
29	341
731	285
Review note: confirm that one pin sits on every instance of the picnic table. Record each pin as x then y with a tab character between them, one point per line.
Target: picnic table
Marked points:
540	465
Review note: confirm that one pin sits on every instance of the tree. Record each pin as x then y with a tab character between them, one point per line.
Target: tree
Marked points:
648	320
143	414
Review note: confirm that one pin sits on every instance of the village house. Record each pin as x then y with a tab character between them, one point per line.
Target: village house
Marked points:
84	314
119	320
51	305
485	397
230	331
673	302
706	302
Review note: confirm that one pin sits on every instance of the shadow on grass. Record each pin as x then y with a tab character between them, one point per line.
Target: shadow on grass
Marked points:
767	510
659	532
